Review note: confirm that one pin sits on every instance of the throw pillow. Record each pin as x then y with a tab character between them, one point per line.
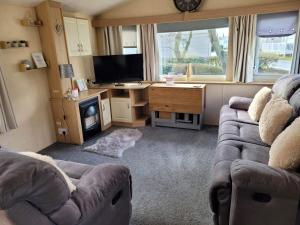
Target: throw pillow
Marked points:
285	151
274	118
259	102
51	161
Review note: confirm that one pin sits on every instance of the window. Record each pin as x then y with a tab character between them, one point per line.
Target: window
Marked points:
197	48
275	44
130	43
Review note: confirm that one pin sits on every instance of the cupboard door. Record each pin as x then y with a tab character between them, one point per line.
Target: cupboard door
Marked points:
121	110
72	36
84	36
106	111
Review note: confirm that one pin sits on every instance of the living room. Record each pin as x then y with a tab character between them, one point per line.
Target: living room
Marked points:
149	112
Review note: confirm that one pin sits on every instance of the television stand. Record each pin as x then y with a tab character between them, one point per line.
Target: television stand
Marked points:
128	84
119	84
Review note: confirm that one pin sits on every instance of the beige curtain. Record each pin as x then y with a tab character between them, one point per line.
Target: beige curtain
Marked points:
296	59
243	29
7	117
150	51
110	40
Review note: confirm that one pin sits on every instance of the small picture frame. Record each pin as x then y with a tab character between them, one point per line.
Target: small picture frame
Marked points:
81	84
39	60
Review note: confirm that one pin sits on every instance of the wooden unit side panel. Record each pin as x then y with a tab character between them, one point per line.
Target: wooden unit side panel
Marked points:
73	122
59	122
180	100
54	47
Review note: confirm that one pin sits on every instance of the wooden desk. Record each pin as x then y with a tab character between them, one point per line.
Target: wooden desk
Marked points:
178	105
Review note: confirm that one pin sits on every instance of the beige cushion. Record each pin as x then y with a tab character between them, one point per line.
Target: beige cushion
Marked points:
259	102
51	161
285	151
274	118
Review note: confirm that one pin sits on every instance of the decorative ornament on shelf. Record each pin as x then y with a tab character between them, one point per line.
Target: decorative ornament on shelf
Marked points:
187	5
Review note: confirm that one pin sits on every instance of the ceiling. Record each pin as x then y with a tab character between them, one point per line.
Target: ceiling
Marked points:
89	7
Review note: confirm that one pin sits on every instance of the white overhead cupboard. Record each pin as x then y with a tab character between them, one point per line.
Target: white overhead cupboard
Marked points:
78	36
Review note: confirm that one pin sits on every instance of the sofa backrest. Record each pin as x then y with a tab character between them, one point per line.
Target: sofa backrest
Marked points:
295	102
23	178
286	86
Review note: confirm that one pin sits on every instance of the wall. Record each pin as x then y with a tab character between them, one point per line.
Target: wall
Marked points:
218	95
29	91
160	7
83	65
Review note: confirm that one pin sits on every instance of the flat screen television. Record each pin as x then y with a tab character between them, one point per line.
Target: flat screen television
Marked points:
118	68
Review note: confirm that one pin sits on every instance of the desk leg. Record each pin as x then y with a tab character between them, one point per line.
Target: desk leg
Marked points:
153	119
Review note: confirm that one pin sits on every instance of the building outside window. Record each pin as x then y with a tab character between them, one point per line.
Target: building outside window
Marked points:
198	48
275	44
130	40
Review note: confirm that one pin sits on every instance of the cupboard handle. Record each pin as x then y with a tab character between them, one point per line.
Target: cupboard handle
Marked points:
128	106
103	107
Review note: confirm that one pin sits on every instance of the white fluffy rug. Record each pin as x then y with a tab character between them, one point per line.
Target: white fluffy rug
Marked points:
115	143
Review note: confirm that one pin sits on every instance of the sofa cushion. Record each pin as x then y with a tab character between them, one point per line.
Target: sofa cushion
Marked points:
286	86
231	150
51	161
274	118
241	103
230	114
259	102
232	130
285	151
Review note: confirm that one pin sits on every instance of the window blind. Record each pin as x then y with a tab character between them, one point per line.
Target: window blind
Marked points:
277	24
194	25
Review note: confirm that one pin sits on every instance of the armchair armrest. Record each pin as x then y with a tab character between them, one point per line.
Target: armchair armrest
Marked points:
241	103
272	195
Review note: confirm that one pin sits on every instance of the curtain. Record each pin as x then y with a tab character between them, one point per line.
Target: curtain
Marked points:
7	117
296	59
243	29
149	49
110	40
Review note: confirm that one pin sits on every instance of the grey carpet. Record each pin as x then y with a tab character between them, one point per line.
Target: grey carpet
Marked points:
170	170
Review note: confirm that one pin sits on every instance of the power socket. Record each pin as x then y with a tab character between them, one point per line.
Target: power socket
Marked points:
62	131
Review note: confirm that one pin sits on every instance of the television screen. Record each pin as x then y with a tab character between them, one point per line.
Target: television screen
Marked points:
118	68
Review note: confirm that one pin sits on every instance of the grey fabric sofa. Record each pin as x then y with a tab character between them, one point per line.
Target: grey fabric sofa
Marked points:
244	189
32	192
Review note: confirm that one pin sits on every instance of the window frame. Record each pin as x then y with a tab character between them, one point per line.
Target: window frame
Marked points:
221	78
265	77
271	77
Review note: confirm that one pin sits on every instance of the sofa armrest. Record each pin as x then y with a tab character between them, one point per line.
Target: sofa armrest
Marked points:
241	103
272	195
101	185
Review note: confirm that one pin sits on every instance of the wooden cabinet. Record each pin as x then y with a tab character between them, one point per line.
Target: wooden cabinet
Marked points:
78	36
121	110
67	115
129	104
106	112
